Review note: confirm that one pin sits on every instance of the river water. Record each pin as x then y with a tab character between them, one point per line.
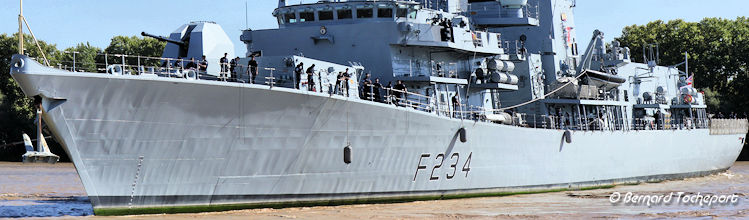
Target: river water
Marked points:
55	191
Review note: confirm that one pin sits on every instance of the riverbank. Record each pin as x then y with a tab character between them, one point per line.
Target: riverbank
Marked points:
42	190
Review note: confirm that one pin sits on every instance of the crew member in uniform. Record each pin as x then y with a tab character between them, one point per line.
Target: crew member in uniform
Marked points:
232	68
191	64
346	77
456	105
311	78
224	62
377	87
252	64
298	74
366	87
399	90
203	66
178	64
338	81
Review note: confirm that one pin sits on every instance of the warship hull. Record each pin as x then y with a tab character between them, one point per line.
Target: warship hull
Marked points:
154	143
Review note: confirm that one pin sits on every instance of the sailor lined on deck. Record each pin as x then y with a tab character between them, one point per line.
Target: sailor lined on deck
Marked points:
203	65
166	64
252	64
224	62
338	81
191	64
346	77
376	89
298	74
233	68
311	78
456	105
179	63
399	90
366	88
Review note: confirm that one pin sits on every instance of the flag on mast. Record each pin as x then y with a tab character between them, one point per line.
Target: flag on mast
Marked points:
689	81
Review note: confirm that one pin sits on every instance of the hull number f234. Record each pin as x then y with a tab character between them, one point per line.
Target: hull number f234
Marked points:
438	161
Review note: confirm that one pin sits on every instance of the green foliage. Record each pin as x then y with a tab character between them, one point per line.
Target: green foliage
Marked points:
718	55
85	59
712	99
133	45
16	111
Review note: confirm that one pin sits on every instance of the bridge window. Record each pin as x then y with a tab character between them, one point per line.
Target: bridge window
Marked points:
408	11
384	11
402	11
325	15
364	12
344	13
290	17
306	16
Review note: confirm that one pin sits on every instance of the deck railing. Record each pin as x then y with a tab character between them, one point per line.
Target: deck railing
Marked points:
123	64
177	68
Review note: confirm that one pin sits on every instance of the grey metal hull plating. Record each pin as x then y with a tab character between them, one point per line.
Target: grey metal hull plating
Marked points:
151	142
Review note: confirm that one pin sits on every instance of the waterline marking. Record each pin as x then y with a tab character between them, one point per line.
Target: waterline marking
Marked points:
680	198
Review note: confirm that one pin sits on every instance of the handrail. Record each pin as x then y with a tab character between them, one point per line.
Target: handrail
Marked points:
430	103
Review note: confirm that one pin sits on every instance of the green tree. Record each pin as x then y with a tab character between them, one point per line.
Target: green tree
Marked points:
16	111
717	50
85	57
133	45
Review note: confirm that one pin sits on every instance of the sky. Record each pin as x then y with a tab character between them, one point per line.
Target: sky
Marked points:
69	22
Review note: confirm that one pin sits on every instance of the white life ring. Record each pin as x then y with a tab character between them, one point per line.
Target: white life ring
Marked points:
115	69
191	74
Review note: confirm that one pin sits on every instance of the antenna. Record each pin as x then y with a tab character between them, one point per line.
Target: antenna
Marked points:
246	18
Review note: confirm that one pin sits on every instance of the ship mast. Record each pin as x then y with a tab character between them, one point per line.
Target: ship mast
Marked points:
20	29
21	22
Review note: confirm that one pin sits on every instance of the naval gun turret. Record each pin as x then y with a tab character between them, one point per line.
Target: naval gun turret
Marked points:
183	44
195	40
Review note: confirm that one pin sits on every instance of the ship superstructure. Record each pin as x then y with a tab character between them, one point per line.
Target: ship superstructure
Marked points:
497	56
495	98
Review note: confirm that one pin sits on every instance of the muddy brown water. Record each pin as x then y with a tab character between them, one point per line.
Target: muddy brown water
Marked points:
55	191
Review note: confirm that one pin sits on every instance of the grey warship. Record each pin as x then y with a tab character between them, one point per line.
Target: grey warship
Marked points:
498	100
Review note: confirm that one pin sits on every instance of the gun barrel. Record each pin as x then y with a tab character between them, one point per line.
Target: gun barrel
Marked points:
177	42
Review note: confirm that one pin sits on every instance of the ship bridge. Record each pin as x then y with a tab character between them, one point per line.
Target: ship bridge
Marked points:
418	23
343	12
393	39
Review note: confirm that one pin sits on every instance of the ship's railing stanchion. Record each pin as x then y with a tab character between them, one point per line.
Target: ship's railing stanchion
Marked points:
271	80
534	121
